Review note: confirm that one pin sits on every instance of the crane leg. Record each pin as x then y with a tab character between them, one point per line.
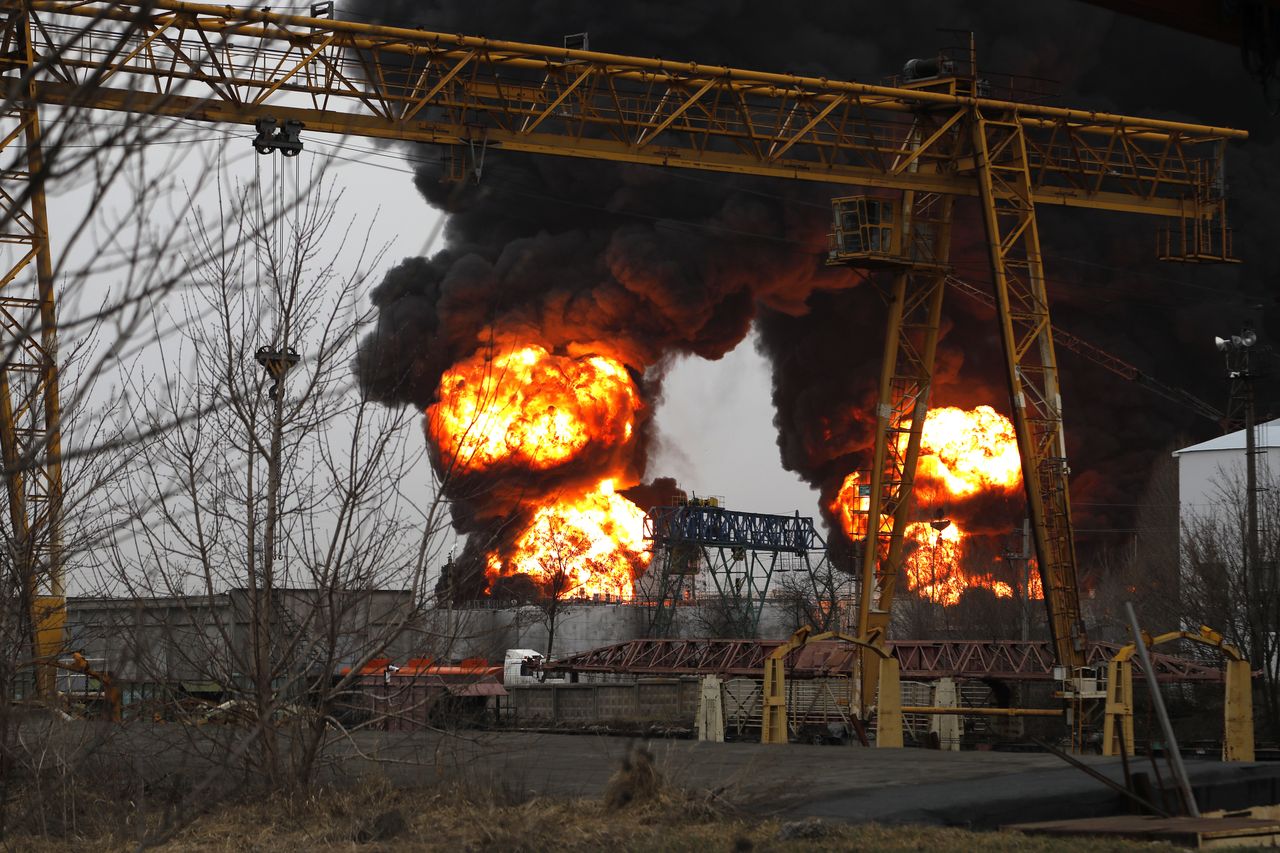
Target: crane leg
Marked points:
30	413
906	378
1022	308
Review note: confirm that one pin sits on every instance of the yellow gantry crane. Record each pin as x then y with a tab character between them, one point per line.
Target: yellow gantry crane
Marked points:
918	143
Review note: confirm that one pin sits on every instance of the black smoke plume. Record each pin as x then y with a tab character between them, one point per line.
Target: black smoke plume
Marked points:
657	264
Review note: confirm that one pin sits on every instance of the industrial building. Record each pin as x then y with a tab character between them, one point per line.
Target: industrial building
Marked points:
1211	474
201	644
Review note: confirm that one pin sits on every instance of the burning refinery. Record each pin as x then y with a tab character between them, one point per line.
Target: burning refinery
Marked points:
543	447
968	459
538	343
542	339
722	401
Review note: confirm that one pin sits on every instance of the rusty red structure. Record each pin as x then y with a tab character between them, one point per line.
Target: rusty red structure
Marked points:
1003	660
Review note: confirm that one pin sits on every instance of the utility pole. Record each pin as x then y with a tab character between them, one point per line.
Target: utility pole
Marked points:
1021	558
1239	352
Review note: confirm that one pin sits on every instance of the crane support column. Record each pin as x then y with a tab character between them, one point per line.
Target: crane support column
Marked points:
906	379
1022	308
30	413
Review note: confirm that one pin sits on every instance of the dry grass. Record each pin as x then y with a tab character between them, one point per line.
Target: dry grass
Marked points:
375	816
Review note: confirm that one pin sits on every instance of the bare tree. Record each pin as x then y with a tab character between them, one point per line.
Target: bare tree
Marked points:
279	524
271	525
93	229
1219	587
564	570
817	596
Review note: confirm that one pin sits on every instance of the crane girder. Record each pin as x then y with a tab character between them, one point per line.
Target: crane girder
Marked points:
223	64
906	382
1022	309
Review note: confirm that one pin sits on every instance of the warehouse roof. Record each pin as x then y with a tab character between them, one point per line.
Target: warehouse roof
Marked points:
1268	435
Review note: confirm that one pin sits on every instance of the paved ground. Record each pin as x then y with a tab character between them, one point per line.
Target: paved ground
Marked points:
977	789
974	789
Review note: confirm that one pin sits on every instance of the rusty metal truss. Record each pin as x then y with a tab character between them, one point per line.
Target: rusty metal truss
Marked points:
1025	660
1004	660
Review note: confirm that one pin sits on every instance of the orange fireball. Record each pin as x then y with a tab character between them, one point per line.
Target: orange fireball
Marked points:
530	408
933	567
969	451
962	453
581	546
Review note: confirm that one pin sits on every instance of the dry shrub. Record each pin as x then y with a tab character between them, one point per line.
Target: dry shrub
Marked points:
442	818
637	781
69	781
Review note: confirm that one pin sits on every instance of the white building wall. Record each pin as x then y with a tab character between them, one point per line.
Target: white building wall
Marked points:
1211	475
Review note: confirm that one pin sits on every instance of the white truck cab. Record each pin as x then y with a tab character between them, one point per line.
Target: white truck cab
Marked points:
521	667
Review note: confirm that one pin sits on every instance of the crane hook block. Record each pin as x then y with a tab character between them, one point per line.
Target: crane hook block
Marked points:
277	363
273	137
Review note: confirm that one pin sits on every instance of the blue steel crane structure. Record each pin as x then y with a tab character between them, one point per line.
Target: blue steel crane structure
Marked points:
738	553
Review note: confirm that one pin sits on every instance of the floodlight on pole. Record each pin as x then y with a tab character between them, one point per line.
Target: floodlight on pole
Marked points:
1235	343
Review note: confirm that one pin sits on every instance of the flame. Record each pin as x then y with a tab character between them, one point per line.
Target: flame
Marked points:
966	452
1035	586
531	409
933	567
852	504
584	545
962	453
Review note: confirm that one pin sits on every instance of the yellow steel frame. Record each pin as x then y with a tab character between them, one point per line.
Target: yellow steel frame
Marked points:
906	380
774	725
1022	310
30	414
1237	706
226	64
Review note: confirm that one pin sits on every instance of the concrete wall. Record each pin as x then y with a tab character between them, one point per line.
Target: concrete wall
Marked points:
673	701
201	639
487	633
208	638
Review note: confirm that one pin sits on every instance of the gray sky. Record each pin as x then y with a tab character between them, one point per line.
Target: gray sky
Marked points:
716	435
714	425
